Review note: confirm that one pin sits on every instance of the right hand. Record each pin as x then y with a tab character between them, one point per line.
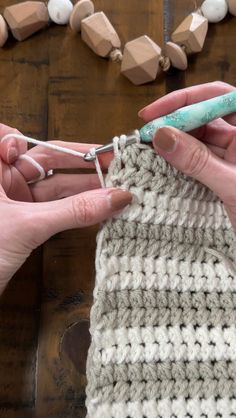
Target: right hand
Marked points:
209	153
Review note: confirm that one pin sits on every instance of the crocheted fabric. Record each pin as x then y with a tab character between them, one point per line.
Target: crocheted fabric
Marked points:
163	323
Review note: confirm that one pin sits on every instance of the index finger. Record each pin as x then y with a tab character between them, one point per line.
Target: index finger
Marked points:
185	97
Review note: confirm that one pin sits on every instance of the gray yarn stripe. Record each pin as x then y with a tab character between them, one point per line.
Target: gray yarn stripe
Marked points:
120	383
149	317
146	170
130	308
136	239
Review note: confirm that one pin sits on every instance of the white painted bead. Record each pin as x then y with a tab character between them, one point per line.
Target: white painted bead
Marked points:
59	11
214	10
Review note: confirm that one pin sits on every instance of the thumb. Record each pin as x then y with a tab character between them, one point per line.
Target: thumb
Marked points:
78	211
195	159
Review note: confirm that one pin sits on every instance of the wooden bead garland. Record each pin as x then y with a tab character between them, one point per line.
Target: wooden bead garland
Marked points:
142	59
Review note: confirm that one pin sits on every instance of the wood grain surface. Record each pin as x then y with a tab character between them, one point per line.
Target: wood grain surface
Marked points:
53	87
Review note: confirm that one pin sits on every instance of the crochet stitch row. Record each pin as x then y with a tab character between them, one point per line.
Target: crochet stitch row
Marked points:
163	320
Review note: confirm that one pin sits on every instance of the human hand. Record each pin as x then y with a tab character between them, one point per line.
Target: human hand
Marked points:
31	213
207	154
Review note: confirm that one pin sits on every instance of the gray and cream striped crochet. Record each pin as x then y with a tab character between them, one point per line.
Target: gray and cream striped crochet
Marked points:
163	323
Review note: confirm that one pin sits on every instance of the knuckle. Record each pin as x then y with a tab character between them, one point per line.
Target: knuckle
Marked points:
84	210
197	160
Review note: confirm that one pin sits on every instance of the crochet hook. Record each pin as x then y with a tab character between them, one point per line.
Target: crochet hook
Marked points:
186	119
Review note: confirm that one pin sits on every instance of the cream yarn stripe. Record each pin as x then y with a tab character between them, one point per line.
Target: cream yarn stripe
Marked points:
168	408
164	343
156	209
163	320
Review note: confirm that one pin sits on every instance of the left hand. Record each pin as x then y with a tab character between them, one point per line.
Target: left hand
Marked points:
31	213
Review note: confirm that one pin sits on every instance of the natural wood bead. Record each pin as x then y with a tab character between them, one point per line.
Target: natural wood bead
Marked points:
165	63
232	7
81	10
177	56
3	31
140	62
99	34
26	18
191	33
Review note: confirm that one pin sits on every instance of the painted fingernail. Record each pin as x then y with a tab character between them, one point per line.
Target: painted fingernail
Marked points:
12	154
165	140
120	199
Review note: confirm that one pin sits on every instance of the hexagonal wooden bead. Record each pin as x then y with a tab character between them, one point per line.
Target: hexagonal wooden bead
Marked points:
140	62
26	18
191	33
99	34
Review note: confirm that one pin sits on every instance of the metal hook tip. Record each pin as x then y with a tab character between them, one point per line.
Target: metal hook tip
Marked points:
89	157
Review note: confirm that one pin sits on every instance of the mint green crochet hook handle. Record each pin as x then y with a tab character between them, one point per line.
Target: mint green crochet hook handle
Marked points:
193	116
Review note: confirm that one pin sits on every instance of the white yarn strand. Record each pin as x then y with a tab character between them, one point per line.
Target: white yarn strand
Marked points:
33	162
119	143
55	148
44	144
98	167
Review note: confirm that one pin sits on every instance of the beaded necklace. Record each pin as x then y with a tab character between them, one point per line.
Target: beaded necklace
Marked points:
142	59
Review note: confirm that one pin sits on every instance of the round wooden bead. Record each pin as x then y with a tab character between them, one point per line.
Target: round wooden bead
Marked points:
59	11
214	10
177	56
3	31
81	10
232	6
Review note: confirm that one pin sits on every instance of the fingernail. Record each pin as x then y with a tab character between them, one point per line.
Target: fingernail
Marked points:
166	140
141	112
12	154
120	199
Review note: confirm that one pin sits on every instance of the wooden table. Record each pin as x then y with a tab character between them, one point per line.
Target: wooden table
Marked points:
53	87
